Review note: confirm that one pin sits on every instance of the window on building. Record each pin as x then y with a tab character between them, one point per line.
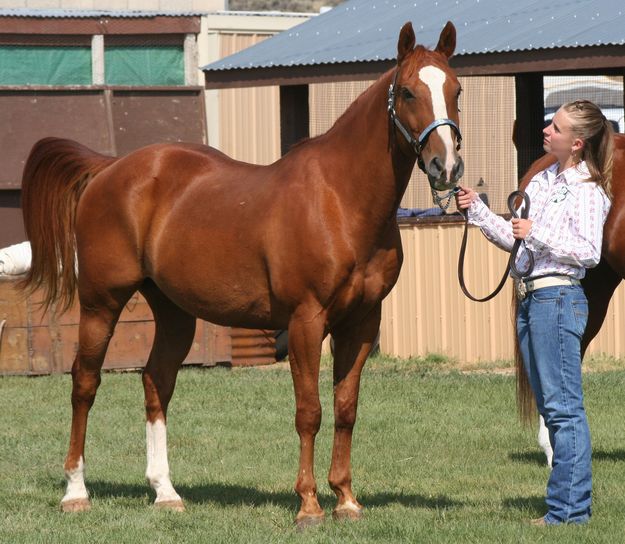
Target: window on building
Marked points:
137	60
45	61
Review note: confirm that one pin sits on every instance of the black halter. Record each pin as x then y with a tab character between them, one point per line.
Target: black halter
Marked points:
417	145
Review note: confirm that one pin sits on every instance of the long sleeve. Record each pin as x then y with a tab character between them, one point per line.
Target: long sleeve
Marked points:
577	243
494	227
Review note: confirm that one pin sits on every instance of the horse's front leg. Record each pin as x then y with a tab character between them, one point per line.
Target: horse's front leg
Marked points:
305	336
352	345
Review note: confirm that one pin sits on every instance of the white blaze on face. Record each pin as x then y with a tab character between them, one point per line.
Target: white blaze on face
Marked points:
434	78
157	471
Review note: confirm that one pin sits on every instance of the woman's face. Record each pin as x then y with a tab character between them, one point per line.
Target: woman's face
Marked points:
558	137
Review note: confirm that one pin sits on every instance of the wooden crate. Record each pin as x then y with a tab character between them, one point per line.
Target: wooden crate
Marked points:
34	343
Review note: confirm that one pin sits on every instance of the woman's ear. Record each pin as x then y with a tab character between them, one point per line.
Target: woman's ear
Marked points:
578	145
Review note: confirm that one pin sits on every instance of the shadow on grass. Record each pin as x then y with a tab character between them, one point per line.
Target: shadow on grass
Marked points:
539	458
610	455
529	457
235	495
533	504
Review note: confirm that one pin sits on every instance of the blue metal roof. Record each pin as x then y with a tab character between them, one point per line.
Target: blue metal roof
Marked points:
367	30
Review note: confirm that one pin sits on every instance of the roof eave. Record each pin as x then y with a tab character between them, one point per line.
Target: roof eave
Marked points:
554	60
295	75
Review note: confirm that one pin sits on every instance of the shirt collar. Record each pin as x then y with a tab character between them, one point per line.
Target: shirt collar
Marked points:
573	174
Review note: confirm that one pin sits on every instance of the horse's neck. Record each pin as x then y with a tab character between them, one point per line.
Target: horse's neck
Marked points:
377	176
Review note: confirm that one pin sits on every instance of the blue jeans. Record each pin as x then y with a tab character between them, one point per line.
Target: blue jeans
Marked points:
550	325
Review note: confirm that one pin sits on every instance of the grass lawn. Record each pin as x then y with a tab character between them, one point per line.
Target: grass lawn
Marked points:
438	457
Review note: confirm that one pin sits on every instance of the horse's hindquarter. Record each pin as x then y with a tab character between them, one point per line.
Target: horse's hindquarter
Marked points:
187	217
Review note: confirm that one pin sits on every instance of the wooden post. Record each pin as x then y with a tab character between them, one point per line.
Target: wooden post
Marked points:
530	115
294	116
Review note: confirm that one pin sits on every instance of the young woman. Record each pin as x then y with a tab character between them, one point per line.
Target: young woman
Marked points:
568	208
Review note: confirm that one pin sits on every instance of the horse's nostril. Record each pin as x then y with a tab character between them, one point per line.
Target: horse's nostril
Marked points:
436	167
458	169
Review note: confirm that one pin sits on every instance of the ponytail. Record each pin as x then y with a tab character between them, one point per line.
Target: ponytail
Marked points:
591	126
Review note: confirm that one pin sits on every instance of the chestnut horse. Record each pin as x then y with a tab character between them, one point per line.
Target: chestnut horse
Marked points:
309	242
600	282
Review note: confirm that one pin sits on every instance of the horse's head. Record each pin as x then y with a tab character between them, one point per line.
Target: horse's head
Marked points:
423	105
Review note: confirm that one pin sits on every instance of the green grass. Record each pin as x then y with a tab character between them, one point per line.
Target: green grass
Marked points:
438	457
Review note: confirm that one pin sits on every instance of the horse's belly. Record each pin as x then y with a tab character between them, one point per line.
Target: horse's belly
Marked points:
229	300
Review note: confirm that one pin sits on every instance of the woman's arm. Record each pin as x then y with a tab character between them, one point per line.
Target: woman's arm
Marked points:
494	227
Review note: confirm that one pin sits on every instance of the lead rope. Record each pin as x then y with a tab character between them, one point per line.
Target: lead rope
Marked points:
513	254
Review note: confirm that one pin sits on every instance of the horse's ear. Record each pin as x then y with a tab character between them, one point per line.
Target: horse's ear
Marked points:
406	42
447	41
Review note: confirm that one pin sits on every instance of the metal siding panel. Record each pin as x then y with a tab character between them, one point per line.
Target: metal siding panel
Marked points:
414	314
250	118
427	313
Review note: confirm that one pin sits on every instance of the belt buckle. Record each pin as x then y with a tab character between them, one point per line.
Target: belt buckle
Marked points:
520	289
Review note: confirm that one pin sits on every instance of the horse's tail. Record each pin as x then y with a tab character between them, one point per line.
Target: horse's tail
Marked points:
55	175
526	405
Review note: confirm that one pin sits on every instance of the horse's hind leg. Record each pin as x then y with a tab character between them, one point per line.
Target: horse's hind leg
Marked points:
173	337
599	285
352	345
97	321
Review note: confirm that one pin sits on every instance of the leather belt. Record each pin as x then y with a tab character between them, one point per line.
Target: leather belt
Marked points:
522	287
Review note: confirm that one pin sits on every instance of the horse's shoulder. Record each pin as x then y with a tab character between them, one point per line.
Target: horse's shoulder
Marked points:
537	166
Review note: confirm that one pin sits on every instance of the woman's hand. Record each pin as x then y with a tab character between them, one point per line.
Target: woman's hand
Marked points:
521	228
464	197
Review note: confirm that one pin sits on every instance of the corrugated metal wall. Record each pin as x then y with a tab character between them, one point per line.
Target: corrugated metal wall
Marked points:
427	313
249	118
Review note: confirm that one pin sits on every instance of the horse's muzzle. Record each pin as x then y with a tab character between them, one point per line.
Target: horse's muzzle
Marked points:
442	180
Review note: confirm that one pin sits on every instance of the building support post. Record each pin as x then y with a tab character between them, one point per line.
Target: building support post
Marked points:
530	119
294	115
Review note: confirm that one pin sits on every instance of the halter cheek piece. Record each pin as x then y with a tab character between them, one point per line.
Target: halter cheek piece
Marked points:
417	145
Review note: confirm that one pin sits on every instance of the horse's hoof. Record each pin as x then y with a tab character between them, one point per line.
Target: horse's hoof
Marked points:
174	505
305	522
348	512
76	505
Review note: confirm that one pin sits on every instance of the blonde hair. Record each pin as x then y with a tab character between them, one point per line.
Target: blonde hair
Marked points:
593	128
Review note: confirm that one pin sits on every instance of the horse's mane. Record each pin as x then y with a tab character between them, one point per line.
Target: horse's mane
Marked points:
348	112
418	53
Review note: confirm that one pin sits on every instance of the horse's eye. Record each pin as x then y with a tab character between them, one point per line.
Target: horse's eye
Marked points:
406	94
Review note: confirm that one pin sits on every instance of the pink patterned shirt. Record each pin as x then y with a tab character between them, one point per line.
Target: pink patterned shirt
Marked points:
568	214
